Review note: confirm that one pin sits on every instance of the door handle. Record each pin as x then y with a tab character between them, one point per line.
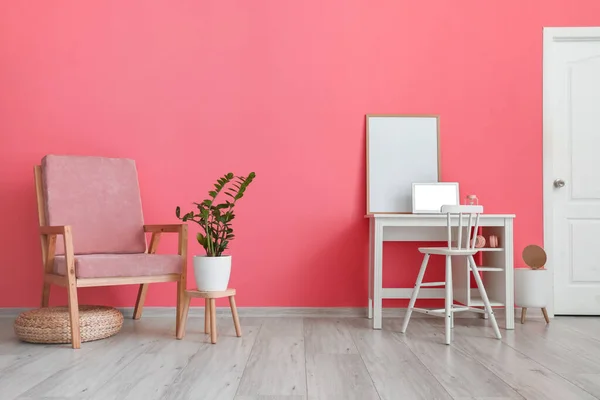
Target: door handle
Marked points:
558	183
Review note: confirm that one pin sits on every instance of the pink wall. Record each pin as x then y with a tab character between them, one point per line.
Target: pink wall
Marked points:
194	89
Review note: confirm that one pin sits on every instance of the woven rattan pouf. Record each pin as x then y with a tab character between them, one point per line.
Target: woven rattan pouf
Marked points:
52	324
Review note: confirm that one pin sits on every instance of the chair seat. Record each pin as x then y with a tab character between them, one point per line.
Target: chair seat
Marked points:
444	251
120	265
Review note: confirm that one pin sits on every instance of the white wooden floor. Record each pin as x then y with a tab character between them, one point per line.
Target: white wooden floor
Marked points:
311	358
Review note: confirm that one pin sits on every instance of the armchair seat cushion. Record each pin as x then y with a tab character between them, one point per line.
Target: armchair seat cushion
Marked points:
120	265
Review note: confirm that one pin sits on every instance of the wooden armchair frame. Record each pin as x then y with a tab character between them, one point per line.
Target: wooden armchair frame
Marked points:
48	237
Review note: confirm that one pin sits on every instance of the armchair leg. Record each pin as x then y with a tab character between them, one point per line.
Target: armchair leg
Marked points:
46	294
180	300
74	316
184	316
141	298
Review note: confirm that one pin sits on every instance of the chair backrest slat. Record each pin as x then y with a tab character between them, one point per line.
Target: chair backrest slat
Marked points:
460	229
475	230
449	227
469	229
461	212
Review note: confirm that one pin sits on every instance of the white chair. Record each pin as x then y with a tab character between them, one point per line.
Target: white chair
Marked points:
461	211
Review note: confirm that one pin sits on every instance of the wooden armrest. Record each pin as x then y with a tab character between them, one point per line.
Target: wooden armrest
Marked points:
176	228
54	230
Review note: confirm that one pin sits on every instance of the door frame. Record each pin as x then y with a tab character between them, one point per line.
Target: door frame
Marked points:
553	35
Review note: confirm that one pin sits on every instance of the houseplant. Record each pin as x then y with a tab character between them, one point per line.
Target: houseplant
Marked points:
531	284
212	270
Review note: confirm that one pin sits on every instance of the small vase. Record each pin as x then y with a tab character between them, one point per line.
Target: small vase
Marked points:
471	200
212	273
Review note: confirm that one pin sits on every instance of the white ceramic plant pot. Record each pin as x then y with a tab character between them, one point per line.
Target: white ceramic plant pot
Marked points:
212	273
531	287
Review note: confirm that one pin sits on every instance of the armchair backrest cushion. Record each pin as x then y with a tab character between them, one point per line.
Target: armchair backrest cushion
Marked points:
100	198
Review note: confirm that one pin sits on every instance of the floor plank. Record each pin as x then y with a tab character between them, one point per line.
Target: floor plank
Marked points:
311	358
339	376
396	371
334	369
528	377
293	397
328	336
96	367
215	370
151	374
459	373
276	366
569	353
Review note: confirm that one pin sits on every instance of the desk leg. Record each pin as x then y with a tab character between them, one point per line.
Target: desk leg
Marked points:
509	299
370	302
377	275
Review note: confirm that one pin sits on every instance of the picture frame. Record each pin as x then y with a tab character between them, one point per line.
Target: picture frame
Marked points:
429	197
401	149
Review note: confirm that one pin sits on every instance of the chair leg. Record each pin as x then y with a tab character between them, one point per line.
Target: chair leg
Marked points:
184	316
484	297
141	298
449	300
74	317
206	315
236	319
46	294
180	299
415	293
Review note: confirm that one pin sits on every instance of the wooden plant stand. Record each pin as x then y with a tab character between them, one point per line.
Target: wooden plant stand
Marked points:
210	312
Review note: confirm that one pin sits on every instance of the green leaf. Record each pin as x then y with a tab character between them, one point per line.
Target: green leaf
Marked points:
214	219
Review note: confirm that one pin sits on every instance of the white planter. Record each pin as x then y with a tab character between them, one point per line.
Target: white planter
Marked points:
212	273
531	287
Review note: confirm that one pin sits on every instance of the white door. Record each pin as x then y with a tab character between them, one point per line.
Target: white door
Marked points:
572	167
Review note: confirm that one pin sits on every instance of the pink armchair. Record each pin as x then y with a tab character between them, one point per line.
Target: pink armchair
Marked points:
94	204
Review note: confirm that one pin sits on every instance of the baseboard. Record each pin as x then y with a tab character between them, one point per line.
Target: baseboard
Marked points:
300	312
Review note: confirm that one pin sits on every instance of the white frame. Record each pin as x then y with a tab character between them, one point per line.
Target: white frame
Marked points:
398	182
552	35
414	207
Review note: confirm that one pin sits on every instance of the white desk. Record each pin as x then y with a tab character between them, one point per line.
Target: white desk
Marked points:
497	266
